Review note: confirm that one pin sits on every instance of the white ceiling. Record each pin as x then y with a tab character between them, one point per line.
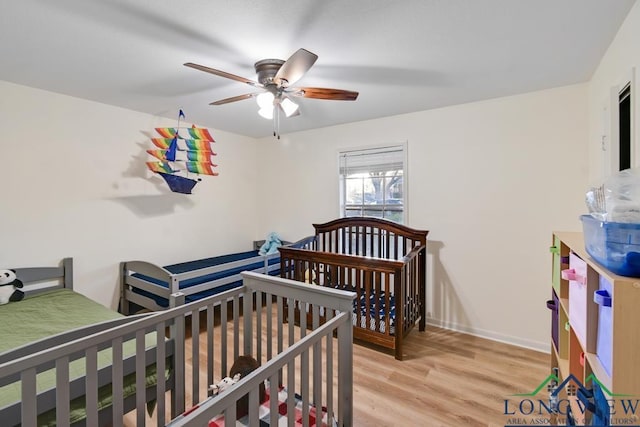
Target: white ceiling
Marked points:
401	56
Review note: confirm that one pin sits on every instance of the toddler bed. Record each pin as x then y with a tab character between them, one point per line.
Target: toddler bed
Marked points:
149	286
383	262
203	338
52	314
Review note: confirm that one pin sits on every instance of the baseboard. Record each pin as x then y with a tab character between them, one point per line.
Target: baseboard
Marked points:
491	335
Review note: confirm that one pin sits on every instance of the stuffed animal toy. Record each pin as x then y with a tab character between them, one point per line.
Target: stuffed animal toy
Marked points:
224	384
271	244
9	285
310	276
243	366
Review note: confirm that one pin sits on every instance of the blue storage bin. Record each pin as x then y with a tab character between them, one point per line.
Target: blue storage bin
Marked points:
602	415
604	340
615	245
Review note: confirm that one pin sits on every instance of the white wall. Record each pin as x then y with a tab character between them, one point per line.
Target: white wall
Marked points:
73	182
620	63
490	180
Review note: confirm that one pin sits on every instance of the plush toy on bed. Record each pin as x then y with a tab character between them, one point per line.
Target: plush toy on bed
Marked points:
271	244
9	285
310	277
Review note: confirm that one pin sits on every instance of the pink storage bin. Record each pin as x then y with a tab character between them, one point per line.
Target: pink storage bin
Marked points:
577	277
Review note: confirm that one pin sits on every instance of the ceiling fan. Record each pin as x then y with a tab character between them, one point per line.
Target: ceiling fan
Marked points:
276	79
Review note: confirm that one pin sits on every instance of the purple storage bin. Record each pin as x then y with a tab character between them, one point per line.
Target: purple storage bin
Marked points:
604	342
553	305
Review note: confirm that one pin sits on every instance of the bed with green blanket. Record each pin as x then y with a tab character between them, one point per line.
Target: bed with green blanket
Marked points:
45	319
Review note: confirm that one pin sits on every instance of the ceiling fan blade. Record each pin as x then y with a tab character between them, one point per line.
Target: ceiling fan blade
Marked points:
222	74
324	93
234	98
295	67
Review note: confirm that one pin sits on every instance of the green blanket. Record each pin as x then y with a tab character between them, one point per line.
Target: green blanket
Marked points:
51	313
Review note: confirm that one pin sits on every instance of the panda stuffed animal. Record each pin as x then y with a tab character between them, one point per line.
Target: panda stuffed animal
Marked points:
9	285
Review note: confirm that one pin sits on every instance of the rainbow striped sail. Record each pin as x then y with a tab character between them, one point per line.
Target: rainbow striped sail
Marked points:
160	167
186	133
192	156
183	144
182	151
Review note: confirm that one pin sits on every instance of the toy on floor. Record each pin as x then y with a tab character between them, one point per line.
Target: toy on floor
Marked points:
9	285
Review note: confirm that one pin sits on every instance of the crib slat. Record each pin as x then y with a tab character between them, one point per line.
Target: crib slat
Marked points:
329	367
210	345
317	378
254	404
258	334
62	391
387	304
195	356
140	379
269	326
236	326
291	306
91	396
160	374
28	379
291	385
280	308
273	400
223	336
304	387
368	278
117	378
178	404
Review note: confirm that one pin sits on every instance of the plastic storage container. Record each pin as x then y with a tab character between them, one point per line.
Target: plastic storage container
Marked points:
604	341
615	245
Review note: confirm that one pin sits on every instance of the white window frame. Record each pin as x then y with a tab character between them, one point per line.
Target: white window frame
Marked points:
405	186
610	139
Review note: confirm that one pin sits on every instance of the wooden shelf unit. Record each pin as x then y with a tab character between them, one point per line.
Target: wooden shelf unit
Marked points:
624	373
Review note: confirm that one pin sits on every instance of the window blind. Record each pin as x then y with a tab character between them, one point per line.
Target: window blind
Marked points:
380	159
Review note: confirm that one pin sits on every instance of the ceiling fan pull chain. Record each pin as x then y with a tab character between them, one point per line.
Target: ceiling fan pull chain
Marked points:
274	125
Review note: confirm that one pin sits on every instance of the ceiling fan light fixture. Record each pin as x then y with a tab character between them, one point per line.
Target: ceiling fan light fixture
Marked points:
288	106
265	100
266	112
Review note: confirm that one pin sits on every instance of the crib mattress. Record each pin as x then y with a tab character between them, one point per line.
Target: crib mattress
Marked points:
264	414
54	312
206	263
376	312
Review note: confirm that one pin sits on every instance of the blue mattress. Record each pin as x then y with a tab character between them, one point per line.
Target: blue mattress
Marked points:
205	263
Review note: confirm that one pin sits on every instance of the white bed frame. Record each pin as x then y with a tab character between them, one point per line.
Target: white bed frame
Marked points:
304	362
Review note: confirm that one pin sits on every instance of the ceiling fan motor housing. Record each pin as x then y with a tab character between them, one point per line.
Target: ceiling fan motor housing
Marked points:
266	70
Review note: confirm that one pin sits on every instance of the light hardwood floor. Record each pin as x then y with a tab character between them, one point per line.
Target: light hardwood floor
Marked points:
446	379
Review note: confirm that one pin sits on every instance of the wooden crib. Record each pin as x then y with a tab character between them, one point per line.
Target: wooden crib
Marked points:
383	262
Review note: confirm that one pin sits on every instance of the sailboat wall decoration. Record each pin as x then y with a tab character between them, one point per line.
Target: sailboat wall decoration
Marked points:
182	151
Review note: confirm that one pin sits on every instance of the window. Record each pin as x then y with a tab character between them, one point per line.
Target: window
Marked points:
372	183
624	125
